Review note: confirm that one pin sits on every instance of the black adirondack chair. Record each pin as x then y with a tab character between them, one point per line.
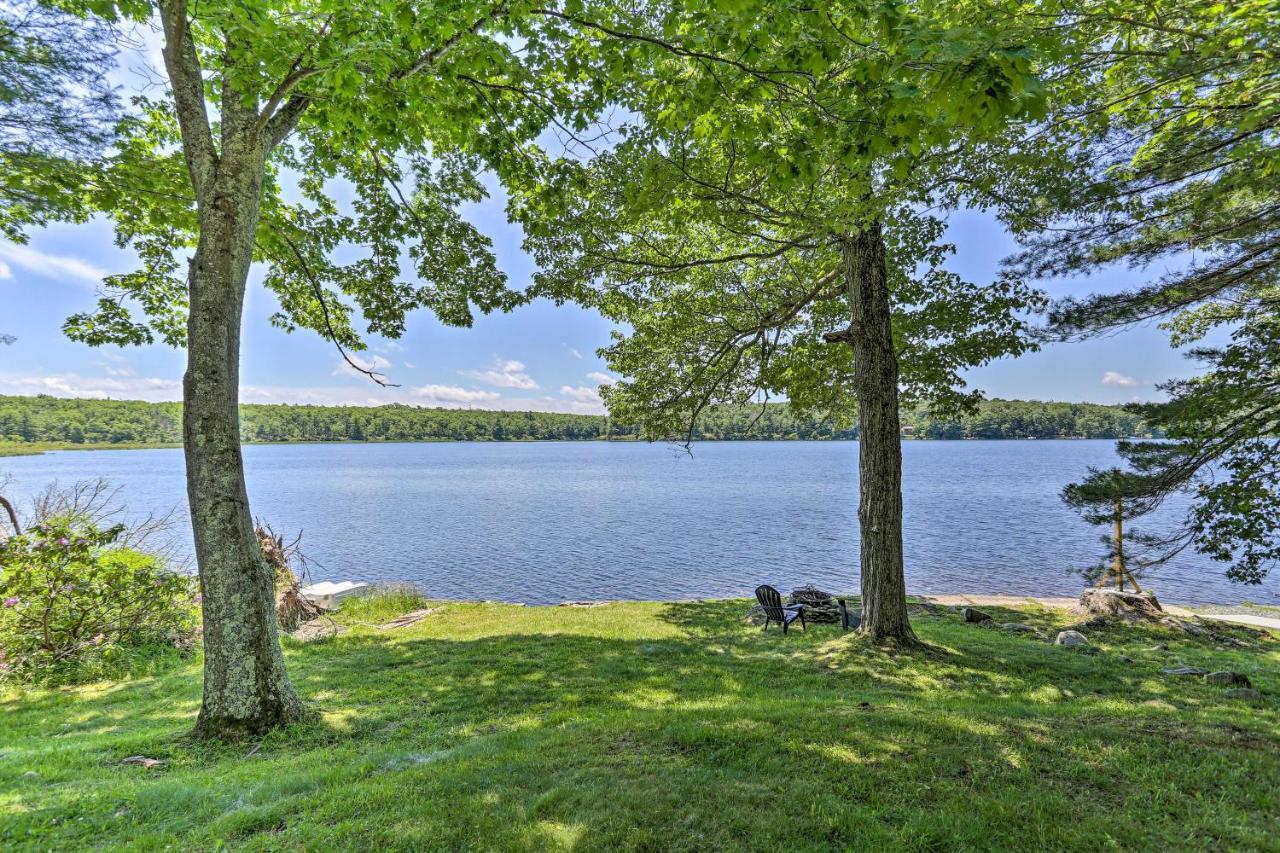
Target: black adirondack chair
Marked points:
776	611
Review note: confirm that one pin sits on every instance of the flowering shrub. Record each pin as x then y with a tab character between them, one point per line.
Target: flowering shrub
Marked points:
70	595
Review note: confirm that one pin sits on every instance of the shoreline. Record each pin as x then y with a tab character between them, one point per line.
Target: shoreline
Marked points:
941	599
15	449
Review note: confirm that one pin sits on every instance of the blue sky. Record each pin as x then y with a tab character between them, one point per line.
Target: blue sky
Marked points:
539	357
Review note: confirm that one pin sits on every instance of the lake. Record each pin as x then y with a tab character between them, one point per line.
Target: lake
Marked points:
544	522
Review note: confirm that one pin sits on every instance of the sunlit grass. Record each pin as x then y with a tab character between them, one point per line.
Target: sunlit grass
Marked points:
663	726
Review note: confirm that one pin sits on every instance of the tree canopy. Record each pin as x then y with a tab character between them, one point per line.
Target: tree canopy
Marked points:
712	228
401	108
56	111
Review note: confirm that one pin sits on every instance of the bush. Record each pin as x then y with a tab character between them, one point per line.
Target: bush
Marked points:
72	598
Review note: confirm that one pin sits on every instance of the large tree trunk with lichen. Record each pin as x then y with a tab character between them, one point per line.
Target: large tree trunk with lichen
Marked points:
246	685
884	587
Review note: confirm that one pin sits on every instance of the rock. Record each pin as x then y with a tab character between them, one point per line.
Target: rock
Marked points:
1226	678
1071	638
1023	628
1092	624
411	618
143	761
1124	659
583	603
1185	670
975	616
1133	606
1159	647
1185	626
1243	693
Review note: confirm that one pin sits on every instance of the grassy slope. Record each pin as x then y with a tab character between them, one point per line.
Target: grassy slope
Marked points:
670	726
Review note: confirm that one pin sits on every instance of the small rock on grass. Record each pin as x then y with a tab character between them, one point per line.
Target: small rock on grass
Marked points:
1071	638
1243	693
975	616
1023	628
143	761
1186	670
1225	678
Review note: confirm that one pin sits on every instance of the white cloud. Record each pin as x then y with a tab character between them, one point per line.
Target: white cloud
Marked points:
453	395
115	364
601	378
581	393
50	266
6	272
377	363
573	352
441	396
151	388
1120	380
410	365
575	400
504	374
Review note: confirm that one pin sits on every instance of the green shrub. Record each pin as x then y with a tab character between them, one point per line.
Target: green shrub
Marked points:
73	600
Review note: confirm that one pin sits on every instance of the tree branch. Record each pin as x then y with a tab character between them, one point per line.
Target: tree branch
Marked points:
324	311
187	80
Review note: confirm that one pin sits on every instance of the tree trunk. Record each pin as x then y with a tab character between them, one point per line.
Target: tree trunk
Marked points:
246	685
1118	538
884	587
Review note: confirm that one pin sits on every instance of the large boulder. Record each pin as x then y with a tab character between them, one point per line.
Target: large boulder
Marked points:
1114	603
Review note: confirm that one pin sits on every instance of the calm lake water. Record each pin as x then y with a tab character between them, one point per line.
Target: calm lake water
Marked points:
546	522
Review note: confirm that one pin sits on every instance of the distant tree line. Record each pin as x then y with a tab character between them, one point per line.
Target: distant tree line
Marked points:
47	419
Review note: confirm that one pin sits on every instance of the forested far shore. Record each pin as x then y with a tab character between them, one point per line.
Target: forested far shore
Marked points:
54	420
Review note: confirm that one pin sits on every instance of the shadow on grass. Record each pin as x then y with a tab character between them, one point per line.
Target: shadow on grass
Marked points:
718	736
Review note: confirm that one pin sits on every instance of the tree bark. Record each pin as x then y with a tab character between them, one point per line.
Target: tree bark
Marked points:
246	686
884	587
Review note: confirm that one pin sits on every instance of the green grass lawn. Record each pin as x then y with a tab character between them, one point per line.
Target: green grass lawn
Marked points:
663	726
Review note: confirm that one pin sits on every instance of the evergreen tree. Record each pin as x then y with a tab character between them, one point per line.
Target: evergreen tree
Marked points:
1112	497
1163	154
